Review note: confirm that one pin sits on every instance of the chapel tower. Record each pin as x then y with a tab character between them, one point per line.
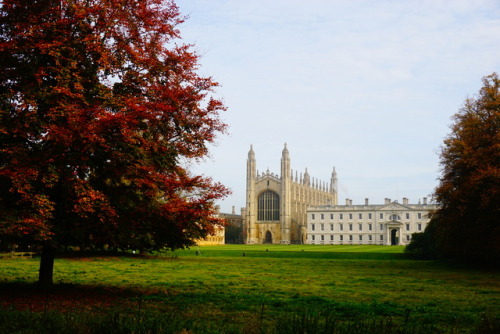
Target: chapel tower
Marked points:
285	196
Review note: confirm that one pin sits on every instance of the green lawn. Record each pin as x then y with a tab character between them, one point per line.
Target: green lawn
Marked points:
308	248
217	289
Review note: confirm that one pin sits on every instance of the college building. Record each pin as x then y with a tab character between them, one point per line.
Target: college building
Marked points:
391	223
277	204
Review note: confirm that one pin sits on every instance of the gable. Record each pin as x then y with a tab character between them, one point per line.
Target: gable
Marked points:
394	206
268	182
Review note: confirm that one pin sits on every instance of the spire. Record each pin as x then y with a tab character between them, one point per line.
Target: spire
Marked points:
251	154
285	164
307	179
285	154
333	181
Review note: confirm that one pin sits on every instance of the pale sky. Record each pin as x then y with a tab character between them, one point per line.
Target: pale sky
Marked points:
366	86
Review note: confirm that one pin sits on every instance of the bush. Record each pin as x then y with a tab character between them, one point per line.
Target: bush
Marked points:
422	245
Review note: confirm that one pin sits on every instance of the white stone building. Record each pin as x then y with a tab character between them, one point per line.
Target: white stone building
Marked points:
389	224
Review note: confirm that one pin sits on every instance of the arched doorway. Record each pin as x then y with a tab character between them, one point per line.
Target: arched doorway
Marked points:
394	237
269	238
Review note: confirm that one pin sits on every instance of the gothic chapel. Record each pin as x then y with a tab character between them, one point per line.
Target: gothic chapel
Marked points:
276	205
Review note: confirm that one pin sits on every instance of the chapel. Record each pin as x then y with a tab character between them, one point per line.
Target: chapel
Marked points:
276	204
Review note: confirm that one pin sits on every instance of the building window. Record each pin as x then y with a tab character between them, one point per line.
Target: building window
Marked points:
322	216
313	216
370	227
341	227
360	216
381	237
419	227
407	237
350	216
350	227
331	237
361	227
350	237
322	237
331	216
381	216
341	216
381	226
341	237
312	227
360	238
370	237
419	215
369	216
407	215
395	217
331	227
312	237
322	227
268	206
407	227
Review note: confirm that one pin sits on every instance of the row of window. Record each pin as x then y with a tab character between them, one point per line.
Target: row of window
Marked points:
351	237
360	227
360	216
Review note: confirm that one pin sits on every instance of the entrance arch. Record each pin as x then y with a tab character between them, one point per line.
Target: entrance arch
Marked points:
269	238
394	237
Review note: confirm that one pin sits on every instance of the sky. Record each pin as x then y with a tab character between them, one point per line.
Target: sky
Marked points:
368	87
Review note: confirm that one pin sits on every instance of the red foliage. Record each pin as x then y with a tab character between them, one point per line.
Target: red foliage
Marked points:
99	110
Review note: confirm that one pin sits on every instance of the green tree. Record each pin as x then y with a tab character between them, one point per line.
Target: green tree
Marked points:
100	108
467	224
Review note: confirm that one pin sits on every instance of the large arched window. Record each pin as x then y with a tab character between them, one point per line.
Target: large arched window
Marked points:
268	207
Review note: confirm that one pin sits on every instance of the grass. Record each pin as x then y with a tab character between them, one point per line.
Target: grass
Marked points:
299	251
272	289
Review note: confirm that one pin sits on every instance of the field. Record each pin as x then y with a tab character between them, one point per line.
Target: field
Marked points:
252	289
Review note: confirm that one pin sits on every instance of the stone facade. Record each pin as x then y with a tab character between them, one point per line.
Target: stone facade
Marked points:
276	205
233	227
213	239
389	224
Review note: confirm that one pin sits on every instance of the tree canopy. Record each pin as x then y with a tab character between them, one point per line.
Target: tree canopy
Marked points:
467	224
101	110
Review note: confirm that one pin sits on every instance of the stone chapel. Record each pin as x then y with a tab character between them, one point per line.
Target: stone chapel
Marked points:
276	205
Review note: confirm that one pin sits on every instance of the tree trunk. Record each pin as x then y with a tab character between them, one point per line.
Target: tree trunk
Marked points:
46	272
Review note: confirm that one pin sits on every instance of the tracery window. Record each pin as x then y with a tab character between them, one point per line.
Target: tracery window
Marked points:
268	206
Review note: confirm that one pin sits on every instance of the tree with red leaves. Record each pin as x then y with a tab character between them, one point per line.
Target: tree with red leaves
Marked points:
100	110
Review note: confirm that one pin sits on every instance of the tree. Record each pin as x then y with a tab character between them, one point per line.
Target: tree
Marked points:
100	111
467	224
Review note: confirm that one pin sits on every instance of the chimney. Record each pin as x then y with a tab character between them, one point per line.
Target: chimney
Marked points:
234	210
425	200
366	201
350	202
387	201
347	202
405	201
